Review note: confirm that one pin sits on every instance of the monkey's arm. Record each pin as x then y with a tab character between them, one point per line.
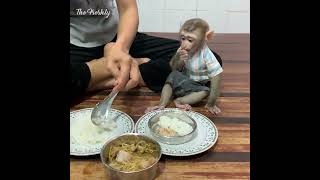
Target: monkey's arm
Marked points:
176	63
165	99
214	90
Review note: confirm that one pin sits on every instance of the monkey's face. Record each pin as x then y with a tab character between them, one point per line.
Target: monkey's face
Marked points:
191	41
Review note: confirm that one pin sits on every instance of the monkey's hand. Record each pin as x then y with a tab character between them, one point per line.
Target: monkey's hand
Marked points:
183	54
214	109
149	109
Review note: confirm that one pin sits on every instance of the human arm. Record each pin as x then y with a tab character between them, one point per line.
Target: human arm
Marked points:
128	23
134	76
117	53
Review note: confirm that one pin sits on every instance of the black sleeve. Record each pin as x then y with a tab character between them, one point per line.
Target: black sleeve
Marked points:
217	56
79	76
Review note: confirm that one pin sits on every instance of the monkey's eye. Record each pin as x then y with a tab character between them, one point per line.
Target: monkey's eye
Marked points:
183	38
190	40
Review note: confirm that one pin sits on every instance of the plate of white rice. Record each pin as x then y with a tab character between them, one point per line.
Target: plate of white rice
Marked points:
205	138
87	139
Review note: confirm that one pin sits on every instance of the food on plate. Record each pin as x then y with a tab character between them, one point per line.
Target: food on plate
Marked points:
83	131
132	155
172	127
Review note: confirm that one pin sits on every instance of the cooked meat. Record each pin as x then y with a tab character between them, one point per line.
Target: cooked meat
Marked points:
123	156
166	131
148	162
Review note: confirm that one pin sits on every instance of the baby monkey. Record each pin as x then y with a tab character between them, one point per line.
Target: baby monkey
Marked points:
194	69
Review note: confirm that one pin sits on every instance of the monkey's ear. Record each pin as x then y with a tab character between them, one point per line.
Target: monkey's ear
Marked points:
209	35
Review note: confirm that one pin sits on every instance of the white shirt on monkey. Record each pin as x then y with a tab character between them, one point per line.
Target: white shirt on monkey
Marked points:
203	65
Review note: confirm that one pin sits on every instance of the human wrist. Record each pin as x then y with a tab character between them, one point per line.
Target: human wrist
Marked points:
121	45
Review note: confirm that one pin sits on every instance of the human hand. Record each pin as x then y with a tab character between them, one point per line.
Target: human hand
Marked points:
119	62
213	109
134	76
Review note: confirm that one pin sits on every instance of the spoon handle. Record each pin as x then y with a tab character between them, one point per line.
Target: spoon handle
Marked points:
112	95
102	108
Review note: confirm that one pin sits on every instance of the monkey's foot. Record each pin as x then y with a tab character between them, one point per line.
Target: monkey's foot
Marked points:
154	108
185	107
214	110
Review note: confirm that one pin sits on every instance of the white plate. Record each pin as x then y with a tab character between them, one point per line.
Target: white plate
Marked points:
207	135
125	124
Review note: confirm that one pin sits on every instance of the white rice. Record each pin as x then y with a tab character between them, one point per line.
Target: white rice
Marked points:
83	131
181	127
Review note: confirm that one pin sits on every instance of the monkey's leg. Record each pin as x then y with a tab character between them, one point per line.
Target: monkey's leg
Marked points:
192	98
166	94
165	98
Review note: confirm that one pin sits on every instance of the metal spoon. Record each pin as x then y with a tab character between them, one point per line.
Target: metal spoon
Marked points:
99	114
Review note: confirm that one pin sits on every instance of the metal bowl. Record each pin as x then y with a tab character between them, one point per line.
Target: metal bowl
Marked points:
115	174
177	139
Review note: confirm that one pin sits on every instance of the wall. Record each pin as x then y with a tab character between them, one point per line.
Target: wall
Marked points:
224	16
